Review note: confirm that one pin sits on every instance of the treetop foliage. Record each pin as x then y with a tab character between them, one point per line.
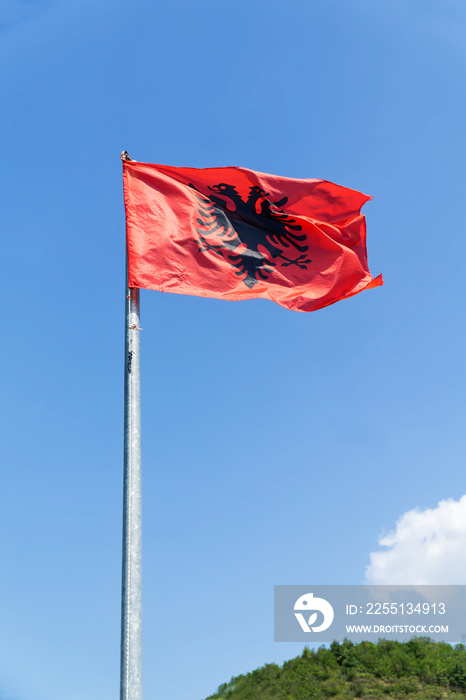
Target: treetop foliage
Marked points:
418	669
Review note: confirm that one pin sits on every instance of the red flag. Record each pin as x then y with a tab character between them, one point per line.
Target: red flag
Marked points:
233	233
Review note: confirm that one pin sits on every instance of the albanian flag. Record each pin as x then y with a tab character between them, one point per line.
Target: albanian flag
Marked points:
233	233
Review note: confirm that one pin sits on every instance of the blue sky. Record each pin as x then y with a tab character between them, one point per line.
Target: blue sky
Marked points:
278	447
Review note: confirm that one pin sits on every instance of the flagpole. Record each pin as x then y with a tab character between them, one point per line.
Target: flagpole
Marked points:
131	588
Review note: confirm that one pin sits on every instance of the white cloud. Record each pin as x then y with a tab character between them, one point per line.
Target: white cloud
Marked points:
426	547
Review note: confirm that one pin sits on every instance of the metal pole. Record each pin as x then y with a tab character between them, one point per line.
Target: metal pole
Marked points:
131	599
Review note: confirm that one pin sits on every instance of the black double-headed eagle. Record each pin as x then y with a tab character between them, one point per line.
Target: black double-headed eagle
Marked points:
253	235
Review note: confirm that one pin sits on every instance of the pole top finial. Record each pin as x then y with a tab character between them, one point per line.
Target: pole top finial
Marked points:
125	155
